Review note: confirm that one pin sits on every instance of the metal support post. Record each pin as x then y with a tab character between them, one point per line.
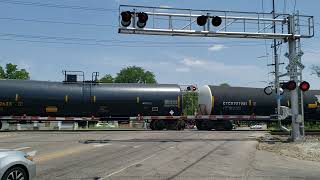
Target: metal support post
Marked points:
295	135
276	64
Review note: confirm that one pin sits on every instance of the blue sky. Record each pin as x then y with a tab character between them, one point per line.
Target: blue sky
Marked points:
216	61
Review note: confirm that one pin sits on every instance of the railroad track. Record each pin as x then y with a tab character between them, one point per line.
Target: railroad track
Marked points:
315	132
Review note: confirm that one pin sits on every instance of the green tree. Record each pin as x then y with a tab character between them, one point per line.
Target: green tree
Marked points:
134	74
2	74
190	103
224	85
107	79
12	72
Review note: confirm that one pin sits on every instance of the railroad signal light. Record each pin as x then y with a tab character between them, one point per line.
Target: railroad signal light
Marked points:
216	21
268	90
191	88
202	20
126	18
304	86
290	85
142	19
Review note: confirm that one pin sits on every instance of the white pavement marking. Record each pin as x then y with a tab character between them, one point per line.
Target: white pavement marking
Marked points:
116	172
101	145
22	148
136	146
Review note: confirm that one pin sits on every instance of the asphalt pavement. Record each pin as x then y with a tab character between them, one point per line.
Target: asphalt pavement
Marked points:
155	155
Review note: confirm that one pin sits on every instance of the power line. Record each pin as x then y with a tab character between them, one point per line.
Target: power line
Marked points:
56	22
52	5
171	45
77	39
294	7
99	44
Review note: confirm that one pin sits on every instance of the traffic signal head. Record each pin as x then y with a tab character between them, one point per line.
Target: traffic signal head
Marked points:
216	21
126	18
290	85
202	20
304	86
142	19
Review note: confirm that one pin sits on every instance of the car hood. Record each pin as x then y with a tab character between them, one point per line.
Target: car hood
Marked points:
6	152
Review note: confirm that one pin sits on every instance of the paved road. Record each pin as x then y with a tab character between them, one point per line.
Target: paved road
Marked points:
155	155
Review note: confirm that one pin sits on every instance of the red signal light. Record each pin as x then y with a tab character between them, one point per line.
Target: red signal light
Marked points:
304	86
191	88
142	19
216	21
126	18
291	85
202	20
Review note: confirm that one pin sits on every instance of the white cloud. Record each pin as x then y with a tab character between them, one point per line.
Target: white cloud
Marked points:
183	69
193	62
215	72
165	6
311	57
217	47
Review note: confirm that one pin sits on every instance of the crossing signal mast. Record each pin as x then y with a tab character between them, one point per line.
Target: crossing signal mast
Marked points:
289	28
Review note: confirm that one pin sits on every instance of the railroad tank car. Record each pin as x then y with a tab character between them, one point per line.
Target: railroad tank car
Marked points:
217	100
87	99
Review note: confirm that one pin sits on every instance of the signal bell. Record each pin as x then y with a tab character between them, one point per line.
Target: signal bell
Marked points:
126	18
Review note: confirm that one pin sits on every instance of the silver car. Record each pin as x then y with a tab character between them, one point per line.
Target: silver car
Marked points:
16	165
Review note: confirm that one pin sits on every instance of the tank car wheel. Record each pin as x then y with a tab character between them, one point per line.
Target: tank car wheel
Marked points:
159	125
199	125
181	125
228	126
0	125
152	125
205	125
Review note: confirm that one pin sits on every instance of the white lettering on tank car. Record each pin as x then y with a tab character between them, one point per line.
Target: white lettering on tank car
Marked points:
236	103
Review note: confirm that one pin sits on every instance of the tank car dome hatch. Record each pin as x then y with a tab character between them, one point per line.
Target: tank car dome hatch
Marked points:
205	100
